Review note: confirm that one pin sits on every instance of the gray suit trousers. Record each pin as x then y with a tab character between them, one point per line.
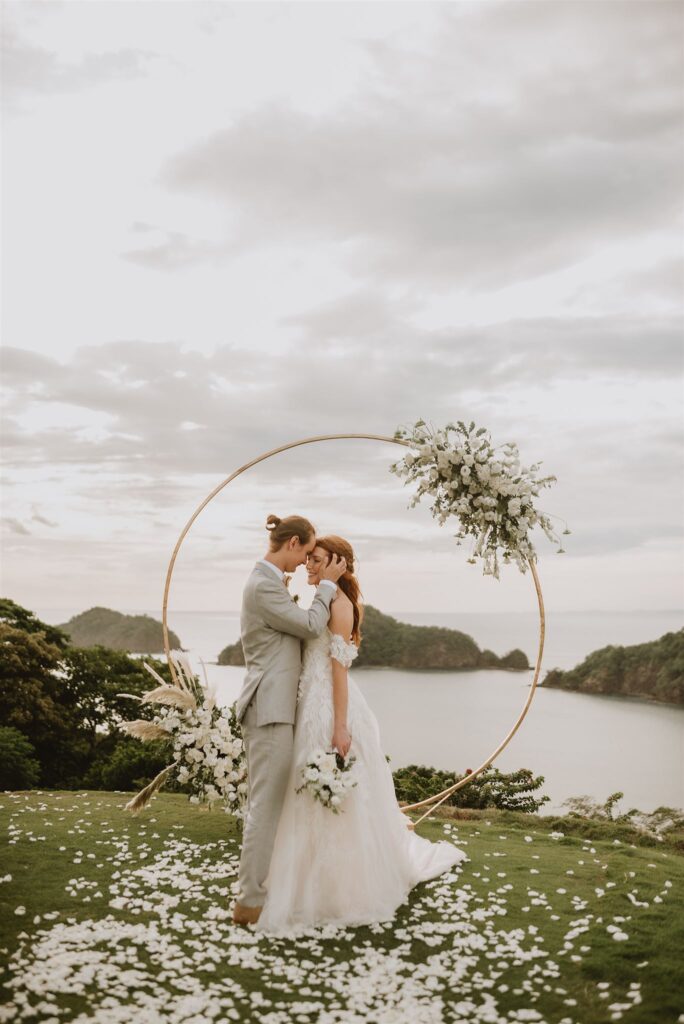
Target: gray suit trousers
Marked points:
268	749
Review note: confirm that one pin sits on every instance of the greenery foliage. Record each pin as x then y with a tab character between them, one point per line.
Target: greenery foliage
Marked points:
654	670
660	822
491	788
130	765
63	699
19	768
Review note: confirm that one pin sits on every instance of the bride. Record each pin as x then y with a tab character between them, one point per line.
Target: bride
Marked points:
359	865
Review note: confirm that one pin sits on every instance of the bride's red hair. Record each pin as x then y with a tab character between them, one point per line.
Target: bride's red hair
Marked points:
348	581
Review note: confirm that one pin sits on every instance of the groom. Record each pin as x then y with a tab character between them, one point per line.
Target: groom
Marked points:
271	628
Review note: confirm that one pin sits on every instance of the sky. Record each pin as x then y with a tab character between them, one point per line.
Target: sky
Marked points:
231	226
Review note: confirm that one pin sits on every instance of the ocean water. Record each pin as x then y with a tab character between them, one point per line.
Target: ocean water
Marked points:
581	744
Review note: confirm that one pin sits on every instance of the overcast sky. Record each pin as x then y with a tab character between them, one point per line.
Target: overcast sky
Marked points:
228	226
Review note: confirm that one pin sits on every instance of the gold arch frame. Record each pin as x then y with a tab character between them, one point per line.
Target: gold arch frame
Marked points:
436	799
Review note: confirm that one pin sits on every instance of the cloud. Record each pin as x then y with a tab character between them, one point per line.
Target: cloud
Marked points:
495	145
14	526
519	351
173	250
597	398
567	138
34	70
38	518
662	283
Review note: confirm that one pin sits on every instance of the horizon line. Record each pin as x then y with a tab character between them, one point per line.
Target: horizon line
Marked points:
404	611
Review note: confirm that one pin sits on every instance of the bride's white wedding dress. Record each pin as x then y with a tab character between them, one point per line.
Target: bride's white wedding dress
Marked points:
357	866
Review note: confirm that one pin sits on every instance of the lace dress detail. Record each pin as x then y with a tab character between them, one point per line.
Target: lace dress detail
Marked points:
341	650
358	866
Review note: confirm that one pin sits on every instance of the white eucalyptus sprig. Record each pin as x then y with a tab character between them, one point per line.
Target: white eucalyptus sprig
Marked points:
484	487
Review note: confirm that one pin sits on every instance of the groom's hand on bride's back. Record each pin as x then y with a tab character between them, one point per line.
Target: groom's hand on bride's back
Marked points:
334	569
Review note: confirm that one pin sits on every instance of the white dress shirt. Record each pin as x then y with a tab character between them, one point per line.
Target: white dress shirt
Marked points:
280	573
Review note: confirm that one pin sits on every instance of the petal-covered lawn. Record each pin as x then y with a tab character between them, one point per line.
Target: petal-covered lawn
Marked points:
111	918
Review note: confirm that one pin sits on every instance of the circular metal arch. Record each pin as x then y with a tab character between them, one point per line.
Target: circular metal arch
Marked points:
436	799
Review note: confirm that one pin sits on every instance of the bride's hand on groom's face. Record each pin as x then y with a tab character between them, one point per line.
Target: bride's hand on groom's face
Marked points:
334	569
341	740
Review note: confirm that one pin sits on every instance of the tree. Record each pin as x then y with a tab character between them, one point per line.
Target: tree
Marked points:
31	698
94	676
12	614
64	699
19	769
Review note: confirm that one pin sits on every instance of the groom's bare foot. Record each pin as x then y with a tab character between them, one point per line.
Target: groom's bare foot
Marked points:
245	915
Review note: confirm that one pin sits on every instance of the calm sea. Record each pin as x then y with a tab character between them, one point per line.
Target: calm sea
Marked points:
581	744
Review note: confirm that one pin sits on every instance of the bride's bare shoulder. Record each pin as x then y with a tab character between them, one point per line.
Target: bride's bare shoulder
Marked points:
341	614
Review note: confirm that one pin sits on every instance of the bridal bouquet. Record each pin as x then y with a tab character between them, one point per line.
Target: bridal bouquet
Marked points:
328	777
484	487
205	739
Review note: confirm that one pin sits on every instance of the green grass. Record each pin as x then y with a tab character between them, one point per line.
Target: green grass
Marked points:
129	918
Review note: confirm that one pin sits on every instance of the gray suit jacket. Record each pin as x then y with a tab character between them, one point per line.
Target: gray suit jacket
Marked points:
272	627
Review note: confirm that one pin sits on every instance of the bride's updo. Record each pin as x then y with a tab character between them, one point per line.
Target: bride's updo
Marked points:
347	582
280	530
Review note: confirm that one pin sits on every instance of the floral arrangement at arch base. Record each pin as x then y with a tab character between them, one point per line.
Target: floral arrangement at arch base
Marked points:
483	487
205	739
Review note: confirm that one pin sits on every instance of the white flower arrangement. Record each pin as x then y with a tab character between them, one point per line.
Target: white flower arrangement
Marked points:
206	741
484	487
328	778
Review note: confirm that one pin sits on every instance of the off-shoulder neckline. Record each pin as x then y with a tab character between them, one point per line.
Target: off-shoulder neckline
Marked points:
351	644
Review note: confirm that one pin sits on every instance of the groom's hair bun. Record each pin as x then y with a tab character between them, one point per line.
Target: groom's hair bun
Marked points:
281	530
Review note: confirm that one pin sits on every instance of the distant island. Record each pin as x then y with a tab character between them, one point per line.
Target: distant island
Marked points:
140	634
388	643
653	671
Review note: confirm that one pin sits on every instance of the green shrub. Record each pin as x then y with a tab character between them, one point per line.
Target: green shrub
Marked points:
491	788
658	823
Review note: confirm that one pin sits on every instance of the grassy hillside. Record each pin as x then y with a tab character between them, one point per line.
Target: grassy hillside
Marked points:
653	670
386	642
140	634
108	917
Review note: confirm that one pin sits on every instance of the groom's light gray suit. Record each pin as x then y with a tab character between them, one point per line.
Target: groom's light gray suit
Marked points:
272	627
